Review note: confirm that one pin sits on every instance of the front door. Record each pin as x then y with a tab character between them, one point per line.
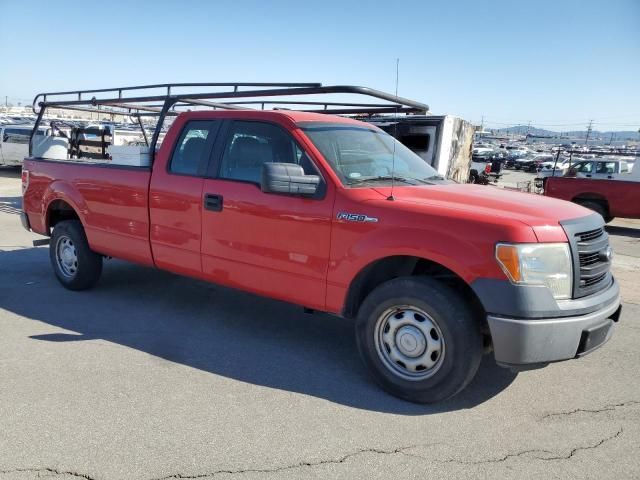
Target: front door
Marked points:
272	244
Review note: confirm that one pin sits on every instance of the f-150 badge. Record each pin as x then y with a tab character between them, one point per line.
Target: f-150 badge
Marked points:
355	217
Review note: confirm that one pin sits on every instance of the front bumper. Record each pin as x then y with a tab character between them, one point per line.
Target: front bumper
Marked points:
520	342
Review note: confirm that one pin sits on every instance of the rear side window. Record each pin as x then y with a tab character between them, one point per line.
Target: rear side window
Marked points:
194	145
251	144
606	167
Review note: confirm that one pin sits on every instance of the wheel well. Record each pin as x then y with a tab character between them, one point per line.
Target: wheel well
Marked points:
591	197
389	268
58	211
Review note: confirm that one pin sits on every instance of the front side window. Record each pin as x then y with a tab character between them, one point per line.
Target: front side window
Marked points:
192	147
361	155
251	144
580	167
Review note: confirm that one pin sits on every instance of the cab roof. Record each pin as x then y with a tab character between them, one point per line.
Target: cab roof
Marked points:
293	117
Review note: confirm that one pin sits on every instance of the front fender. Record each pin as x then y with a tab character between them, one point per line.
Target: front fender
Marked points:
468	256
457	254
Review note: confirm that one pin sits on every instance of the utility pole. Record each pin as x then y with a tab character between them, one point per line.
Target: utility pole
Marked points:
528	127
589	128
6	101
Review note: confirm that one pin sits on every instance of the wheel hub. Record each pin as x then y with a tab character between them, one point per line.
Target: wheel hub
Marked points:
411	341
67	257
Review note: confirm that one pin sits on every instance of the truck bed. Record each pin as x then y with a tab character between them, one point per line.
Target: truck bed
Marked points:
112	201
621	198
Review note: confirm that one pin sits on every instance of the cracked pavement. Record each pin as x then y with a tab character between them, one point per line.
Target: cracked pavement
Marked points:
155	377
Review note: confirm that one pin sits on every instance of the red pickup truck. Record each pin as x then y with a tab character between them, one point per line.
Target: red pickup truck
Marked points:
335	215
609	198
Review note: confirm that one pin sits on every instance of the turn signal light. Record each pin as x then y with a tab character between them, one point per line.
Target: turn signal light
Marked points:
509	259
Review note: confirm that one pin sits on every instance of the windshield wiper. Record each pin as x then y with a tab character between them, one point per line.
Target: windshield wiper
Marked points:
386	178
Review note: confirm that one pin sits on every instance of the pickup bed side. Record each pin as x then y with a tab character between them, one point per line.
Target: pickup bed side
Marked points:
616	197
110	202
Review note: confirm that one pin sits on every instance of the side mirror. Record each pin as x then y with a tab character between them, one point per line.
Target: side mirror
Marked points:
288	178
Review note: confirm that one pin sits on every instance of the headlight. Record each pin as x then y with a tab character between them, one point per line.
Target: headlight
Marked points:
546	264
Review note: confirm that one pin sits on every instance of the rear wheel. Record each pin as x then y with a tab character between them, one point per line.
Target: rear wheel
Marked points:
76	266
419	339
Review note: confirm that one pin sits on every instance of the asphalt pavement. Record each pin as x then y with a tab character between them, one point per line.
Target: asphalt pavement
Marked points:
154	376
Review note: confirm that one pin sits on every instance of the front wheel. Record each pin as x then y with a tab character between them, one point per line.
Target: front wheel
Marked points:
76	266
419	339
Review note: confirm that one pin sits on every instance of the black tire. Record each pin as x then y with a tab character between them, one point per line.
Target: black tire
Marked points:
461	338
596	207
81	269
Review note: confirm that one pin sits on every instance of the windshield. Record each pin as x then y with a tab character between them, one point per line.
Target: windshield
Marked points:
362	155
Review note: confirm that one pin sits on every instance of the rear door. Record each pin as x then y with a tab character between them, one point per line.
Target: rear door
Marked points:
272	244
175	197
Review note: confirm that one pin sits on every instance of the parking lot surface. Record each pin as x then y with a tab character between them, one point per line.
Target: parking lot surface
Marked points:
155	376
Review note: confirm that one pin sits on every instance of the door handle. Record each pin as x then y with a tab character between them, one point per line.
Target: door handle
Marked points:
213	202
610	176
588	176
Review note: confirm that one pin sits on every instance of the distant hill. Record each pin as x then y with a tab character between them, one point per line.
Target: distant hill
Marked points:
522	130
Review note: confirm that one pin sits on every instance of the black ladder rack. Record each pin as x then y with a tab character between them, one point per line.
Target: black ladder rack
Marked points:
170	99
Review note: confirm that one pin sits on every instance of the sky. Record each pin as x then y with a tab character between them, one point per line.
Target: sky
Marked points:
556	63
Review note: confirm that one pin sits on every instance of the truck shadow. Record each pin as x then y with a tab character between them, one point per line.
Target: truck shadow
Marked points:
11	205
623	231
215	329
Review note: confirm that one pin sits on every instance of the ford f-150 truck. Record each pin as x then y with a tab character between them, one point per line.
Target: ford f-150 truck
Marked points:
335	215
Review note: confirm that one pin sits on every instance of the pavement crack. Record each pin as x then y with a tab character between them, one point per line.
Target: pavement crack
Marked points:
338	460
606	408
539	454
48	471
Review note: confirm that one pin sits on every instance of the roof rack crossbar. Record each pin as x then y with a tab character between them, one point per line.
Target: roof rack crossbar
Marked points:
224	106
183	85
302	102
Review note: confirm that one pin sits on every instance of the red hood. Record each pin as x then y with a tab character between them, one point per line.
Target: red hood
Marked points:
537	211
